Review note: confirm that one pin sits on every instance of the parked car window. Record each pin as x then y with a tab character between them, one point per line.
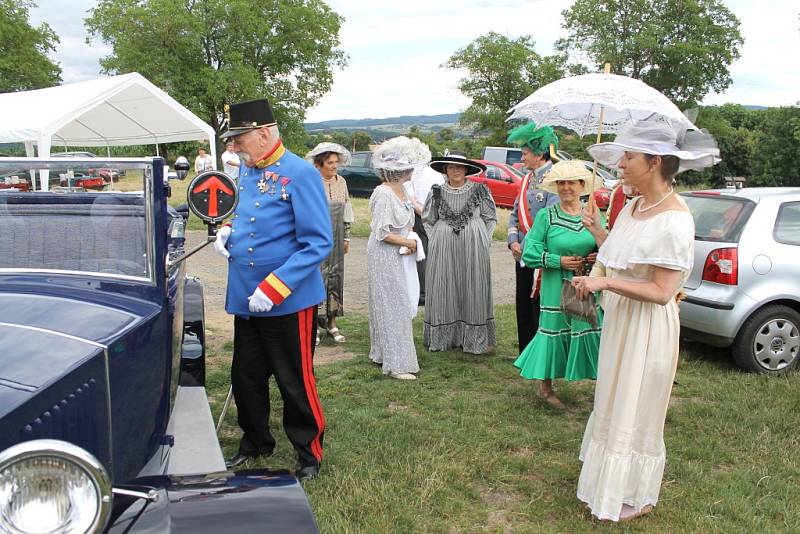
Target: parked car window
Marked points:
787	225
513	156
518	172
359	160
497	173
718	218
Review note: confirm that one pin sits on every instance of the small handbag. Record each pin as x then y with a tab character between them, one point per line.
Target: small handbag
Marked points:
584	309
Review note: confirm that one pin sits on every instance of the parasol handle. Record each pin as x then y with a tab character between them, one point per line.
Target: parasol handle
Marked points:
592	204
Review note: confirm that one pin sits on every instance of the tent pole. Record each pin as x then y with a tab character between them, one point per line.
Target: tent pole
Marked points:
44	153
29	153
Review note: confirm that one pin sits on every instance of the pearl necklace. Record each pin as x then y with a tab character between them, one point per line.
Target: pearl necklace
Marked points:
640	209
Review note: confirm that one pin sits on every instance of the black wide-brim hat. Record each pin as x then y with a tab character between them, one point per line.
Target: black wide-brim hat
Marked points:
440	164
245	116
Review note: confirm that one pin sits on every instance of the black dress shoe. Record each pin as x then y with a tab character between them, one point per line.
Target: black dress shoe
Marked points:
240	458
305	471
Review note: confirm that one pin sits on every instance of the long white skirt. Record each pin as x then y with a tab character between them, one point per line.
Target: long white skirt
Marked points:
623	451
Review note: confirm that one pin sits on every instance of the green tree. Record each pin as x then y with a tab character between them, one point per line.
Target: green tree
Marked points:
206	53
683	48
777	148
24	61
500	73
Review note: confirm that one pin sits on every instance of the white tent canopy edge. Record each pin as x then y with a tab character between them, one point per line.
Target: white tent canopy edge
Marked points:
116	110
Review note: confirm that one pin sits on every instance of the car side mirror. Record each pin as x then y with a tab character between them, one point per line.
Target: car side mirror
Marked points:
181	167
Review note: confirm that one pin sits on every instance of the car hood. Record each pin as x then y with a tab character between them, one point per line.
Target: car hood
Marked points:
33	358
67	316
44	337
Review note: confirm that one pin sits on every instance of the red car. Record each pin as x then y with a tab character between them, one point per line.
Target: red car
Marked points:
601	197
503	182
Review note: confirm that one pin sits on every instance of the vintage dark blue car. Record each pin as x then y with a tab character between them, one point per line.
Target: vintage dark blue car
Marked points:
104	421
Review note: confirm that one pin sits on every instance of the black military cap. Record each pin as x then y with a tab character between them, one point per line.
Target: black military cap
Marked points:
246	116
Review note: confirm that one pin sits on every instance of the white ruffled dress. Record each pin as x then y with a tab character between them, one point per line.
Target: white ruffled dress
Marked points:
623	451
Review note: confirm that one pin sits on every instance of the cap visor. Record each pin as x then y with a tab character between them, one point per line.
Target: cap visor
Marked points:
234	133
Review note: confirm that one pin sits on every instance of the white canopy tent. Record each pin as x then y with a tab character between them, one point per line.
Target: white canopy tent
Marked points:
113	111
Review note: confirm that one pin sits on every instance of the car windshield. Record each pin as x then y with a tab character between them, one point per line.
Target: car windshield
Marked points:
718	218
61	220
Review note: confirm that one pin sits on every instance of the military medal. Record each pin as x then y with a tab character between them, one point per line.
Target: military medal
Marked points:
284	194
262	185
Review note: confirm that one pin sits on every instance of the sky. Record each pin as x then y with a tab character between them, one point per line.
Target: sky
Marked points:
396	50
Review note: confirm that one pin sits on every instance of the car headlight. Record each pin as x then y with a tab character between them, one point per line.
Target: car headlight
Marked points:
49	486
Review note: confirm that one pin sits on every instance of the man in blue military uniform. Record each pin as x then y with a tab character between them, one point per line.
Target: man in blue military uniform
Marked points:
279	235
535	143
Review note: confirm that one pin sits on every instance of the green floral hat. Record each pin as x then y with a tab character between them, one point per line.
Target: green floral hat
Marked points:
538	140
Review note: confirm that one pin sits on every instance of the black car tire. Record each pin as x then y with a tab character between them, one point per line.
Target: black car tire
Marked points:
772	328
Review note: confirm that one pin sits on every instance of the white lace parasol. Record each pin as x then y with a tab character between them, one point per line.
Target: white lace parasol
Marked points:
576	103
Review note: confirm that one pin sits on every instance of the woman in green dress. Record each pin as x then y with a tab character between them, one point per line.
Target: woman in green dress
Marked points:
560	246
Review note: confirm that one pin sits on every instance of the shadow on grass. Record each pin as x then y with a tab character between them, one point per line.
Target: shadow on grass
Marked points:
720	358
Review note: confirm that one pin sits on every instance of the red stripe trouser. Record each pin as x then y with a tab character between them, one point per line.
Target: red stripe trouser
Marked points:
282	347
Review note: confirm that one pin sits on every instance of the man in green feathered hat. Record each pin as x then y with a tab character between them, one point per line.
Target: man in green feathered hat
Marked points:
538	148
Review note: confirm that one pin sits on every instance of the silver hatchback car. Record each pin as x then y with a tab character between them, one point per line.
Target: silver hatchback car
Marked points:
744	290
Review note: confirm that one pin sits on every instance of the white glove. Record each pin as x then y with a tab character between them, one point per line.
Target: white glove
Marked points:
222	237
259	302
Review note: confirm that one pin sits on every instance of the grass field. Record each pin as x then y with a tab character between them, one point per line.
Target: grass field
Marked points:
469	447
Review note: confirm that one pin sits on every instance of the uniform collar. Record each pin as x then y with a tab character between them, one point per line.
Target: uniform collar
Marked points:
270	158
538	173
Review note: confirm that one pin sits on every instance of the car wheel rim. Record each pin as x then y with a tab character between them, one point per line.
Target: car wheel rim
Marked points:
776	344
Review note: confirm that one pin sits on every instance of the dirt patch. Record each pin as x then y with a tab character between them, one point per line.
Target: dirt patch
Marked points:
523	452
499	519
394	407
326	355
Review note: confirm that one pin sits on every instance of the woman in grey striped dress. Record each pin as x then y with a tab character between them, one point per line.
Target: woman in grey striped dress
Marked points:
459	218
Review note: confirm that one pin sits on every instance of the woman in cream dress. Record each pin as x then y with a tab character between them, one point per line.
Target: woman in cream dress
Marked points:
641	266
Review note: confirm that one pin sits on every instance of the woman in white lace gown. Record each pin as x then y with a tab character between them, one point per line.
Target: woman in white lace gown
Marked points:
641	267
392	218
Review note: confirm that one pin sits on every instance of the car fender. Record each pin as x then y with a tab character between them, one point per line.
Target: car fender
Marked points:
248	501
783	299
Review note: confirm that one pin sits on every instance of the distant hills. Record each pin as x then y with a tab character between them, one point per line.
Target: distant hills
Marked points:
405	120
397	125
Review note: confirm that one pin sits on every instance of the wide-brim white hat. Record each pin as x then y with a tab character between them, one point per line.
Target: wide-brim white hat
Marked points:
696	149
570	170
324	147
